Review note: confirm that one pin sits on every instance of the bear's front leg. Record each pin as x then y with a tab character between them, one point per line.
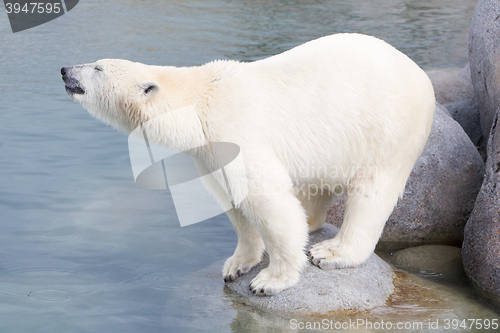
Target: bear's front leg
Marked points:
281	221
249	250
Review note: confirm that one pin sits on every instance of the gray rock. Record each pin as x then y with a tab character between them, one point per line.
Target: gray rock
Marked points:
440	193
451	85
481	247
484	52
466	113
439	262
465	73
454	90
320	291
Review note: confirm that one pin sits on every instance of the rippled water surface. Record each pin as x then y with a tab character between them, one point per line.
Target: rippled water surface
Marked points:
82	248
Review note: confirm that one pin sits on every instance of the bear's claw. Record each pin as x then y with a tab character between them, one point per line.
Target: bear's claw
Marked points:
236	266
231	278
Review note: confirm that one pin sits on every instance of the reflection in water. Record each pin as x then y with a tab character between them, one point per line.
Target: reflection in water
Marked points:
68	202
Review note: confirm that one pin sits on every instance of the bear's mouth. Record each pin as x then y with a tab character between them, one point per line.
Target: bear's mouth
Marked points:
74	90
72	85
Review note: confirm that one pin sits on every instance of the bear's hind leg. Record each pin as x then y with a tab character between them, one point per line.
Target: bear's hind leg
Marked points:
316	205
367	209
249	250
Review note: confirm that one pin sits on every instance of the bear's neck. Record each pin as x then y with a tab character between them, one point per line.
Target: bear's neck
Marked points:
188	91
192	86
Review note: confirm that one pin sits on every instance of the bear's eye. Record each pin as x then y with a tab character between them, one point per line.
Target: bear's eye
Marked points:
98	68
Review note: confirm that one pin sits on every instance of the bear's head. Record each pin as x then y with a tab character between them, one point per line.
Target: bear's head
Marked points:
121	93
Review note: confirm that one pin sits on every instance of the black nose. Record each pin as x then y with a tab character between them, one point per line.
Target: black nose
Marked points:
63	70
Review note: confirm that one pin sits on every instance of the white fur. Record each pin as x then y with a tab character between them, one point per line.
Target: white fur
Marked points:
346	112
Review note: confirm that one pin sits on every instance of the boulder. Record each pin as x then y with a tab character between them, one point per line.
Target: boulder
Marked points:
454	90
440	193
481	247
320	291
484	52
466	113
451	85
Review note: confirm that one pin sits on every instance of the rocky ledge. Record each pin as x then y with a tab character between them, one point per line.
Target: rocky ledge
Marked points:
321	291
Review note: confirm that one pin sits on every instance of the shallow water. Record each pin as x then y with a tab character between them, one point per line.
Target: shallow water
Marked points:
82	248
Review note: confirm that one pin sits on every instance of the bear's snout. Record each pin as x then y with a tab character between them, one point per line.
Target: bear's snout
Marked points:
73	86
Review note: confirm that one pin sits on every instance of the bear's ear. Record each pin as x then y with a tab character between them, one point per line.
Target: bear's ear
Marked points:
149	89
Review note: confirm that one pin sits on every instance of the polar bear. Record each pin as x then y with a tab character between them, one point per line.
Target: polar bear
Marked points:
345	113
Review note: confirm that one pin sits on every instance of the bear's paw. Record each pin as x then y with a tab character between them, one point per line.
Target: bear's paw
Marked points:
237	265
331	254
269	282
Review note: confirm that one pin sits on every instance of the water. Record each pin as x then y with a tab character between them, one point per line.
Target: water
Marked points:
82	248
